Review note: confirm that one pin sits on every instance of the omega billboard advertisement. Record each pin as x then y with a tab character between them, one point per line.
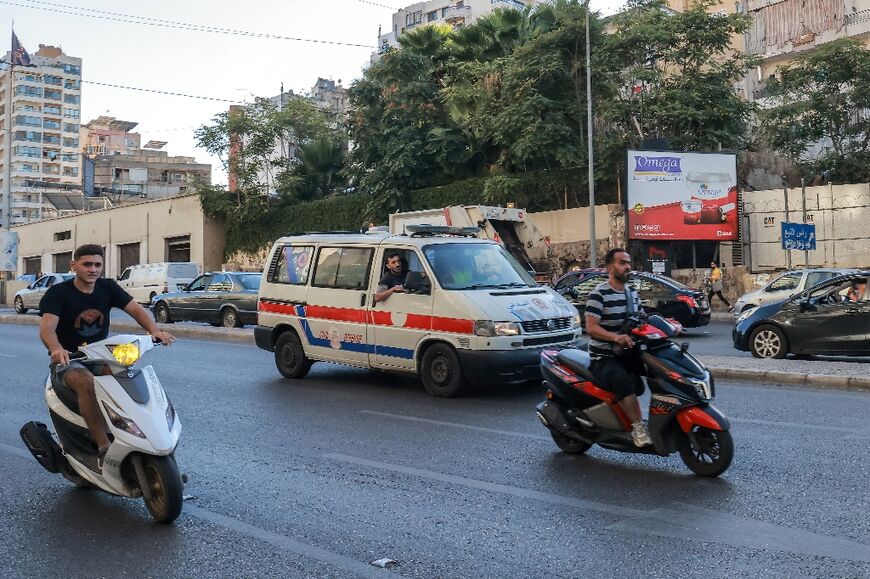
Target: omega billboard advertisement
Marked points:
682	196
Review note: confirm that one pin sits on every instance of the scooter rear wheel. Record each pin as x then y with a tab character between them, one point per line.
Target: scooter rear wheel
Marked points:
706	452
569	445
166	487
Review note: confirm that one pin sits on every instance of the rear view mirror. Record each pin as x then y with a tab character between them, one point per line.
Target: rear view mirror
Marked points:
415	281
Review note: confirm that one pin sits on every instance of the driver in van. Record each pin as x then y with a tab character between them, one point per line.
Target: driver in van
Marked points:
607	309
393	280
76	312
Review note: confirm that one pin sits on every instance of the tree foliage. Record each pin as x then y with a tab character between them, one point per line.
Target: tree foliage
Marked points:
818	117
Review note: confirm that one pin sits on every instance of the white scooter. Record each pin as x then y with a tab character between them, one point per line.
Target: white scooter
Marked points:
144	429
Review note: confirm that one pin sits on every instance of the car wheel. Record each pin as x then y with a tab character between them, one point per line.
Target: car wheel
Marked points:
229	318
19	306
290	356
768	342
161	313
441	372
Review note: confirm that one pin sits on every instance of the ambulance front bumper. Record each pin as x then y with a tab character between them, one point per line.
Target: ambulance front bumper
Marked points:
500	366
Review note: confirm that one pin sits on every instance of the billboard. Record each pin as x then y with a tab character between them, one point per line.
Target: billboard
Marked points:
8	250
682	196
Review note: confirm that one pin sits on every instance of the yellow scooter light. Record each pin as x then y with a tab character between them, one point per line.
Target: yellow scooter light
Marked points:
126	354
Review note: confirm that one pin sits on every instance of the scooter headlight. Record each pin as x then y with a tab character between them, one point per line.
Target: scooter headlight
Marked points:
126	354
170	414
122	422
704	387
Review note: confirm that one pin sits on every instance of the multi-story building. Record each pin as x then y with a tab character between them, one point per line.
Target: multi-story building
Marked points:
147	174
330	96
42	128
456	13
109	136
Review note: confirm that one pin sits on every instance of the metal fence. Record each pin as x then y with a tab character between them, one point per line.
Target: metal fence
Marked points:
841	214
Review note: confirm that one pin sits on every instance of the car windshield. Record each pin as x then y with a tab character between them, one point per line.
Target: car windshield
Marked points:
249	281
460	266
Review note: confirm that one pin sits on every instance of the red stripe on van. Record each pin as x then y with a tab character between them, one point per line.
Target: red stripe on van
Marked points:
337	314
274	308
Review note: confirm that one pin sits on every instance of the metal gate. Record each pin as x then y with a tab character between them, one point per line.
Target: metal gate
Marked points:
128	254
32	265
62	261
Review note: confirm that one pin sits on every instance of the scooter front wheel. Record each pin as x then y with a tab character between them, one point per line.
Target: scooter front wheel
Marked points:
164	482
706	452
569	445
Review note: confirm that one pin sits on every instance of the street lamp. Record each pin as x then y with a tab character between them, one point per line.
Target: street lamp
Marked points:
593	245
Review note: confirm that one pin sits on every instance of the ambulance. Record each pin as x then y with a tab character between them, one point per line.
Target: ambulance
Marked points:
469	313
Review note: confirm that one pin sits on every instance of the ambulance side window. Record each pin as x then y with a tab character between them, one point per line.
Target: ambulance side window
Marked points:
343	267
292	265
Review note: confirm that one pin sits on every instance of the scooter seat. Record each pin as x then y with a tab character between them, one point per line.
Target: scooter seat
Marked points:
578	361
69	398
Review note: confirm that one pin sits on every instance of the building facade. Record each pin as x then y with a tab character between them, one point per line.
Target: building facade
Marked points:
151	231
42	129
456	13
109	136
147	174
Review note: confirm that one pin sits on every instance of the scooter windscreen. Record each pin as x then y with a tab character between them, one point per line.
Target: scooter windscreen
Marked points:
667	328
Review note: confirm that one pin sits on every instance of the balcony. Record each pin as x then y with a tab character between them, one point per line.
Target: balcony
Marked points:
456	15
16	204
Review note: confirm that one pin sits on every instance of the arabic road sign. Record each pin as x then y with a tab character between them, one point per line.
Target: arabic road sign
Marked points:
800	236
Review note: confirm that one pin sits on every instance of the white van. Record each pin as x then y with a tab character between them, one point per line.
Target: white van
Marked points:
470	312
147	280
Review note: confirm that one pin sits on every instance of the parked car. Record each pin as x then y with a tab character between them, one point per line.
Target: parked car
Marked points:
659	294
820	320
783	286
29	297
146	280
227	299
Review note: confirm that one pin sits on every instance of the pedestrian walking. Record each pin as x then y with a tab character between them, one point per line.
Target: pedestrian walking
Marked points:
714	281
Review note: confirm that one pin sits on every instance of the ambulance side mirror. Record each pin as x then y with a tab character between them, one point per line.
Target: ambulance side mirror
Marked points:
418	283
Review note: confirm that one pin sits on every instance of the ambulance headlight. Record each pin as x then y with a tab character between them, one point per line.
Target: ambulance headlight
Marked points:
576	322
126	354
488	328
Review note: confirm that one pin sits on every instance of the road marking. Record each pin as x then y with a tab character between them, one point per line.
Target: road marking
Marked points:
678	520
2	355
341	562
795	425
456	425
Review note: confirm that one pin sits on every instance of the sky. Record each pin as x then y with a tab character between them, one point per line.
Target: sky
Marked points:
221	66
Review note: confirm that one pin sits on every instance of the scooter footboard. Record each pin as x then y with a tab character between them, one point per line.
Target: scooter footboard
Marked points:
705	416
42	446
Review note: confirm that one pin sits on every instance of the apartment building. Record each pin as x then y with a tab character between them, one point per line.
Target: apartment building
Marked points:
109	136
146	174
42	128
456	13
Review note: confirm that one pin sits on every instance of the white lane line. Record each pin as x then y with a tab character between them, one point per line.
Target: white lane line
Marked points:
680	521
456	425
340	562
2	355
795	425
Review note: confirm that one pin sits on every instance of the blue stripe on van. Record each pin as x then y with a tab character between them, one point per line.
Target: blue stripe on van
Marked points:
379	350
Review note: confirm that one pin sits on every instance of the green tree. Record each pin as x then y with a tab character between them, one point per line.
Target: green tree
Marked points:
820	101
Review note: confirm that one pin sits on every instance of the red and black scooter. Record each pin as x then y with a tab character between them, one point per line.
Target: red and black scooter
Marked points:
681	418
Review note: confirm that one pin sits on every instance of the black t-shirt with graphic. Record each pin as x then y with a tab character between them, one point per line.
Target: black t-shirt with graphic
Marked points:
84	318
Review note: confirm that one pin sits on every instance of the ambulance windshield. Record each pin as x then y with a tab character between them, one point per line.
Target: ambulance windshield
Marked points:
464	266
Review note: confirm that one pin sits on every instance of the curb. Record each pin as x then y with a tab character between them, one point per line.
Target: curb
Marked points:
243	336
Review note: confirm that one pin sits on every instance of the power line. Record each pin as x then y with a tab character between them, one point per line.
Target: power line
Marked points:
380	5
159	22
163	92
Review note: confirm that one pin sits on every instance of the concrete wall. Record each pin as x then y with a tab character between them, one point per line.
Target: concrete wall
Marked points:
568	233
149	223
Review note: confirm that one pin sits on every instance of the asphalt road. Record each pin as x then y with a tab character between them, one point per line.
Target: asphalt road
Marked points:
320	477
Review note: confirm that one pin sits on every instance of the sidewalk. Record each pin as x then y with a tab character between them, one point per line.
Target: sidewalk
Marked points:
811	373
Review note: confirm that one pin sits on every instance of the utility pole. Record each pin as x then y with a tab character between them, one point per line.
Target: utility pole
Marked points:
593	244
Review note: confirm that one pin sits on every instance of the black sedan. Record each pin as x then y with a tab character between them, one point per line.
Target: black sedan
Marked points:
830	318
226	299
659	294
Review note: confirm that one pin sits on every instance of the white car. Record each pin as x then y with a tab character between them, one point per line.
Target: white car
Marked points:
786	285
29	297
144	281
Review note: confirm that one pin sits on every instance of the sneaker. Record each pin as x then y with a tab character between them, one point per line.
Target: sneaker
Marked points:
101	456
640	435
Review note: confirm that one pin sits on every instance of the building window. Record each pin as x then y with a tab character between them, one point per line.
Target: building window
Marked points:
50	124
52	139
71	113
70	171
432	16
70	142
55	80
72	99
33	265
72	69
28	121
32	91
178	248
71	127
52	94
62	261
63	235
72	84
28	151
51	110
69	157
32	136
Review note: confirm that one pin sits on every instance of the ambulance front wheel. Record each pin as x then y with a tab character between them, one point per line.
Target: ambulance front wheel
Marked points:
442	373
290	357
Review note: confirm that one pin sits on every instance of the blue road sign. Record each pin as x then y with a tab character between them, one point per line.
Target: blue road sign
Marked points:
801	236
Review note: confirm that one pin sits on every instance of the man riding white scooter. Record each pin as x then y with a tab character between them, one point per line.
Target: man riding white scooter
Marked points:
76	312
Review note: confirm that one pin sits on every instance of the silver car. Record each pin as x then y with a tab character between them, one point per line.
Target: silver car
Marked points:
786	285
29	297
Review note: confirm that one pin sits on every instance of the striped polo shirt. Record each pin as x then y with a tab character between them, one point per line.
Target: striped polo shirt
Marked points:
610	307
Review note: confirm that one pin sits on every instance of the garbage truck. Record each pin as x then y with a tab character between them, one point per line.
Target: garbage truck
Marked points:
511	227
